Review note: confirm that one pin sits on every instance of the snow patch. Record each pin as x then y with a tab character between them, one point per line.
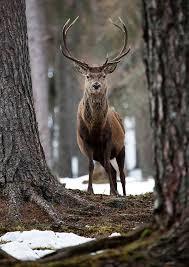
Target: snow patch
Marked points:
20	251
31	245
115	234
134	186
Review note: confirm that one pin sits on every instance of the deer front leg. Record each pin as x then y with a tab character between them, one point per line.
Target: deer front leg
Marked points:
107	166
120	162
91	168
86	150
89	153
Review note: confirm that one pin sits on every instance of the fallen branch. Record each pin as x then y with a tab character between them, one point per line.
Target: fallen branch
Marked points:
93	246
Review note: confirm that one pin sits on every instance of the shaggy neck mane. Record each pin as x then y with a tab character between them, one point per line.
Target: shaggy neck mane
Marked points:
95	109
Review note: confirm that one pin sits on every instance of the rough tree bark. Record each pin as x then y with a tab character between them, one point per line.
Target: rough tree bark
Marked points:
166	34
24	174
38	35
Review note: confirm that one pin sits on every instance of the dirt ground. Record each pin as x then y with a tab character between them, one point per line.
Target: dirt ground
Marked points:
110	214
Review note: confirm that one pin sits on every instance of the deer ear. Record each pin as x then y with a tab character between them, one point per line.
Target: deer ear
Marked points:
110	68
80	69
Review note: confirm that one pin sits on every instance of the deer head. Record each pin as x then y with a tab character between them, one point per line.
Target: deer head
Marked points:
95	77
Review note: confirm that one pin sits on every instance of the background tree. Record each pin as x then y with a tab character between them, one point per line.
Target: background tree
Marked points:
67	89
68	94
38	50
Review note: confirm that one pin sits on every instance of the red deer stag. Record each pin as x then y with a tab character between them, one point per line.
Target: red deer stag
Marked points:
100	131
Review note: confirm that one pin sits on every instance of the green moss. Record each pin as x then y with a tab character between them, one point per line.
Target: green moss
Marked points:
125	254
3	229
146	232
106	229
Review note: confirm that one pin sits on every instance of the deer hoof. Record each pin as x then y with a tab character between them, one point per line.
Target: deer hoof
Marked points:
90	191
114	193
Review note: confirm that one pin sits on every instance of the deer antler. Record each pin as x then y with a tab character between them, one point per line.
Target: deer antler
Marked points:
67	53
123	51
64	47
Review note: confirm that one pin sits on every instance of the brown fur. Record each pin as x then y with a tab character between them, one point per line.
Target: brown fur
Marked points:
96	134
100	135
100	131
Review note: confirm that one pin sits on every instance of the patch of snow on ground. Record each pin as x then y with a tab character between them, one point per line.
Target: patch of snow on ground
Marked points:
115	234
34	244
20	251
133	186
31	245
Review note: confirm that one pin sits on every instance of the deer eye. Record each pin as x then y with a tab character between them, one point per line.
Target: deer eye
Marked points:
87	76
104	76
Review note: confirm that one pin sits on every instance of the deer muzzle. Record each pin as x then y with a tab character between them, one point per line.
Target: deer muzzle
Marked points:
96	85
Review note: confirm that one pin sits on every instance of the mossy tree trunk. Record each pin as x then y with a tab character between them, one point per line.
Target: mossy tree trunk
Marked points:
24	174
166	34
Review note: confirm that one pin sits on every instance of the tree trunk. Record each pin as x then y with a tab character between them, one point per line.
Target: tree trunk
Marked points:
68	93
166	33
65	114
37	34
24	173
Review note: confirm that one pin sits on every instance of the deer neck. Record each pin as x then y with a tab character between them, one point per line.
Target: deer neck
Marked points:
95	110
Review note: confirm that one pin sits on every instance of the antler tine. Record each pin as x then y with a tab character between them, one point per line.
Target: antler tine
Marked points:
64	30
71	24
115	24
122	52
65	50
106	61
126	35
125	40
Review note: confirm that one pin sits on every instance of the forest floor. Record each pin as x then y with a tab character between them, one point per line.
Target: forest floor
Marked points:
139	248
112	214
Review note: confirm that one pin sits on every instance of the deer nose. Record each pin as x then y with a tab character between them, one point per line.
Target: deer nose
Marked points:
96	85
